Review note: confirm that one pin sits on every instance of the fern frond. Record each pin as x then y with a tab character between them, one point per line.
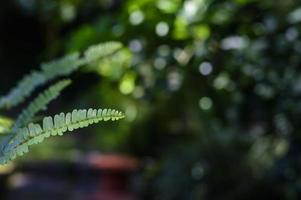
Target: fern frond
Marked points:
61	123
51	70
97	52
23	89
61	67
40	102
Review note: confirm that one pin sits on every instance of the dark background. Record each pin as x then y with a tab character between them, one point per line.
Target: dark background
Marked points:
232	132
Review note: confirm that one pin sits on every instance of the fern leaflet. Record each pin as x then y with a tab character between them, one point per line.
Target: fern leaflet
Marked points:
23	89
40	102
61	123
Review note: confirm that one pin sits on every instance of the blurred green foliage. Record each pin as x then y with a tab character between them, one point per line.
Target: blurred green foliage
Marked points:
211	90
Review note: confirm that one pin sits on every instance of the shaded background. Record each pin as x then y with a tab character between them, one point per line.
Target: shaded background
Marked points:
211	90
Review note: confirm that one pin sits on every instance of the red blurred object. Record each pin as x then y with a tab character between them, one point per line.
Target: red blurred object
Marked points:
115	171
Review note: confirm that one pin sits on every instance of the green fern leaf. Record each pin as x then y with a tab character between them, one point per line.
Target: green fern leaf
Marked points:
40	102
23	89
61	123
61	67
96	52
51	70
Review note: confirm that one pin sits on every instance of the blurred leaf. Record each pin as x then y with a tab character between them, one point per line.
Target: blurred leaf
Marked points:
5	124
201	32
115	66
168	6
127	83
180	31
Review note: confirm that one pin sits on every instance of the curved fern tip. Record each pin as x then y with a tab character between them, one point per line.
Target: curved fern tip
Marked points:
33	133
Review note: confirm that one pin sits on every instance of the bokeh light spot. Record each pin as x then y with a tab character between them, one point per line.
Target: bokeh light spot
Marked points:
127	84
205	68
135	45
205	103
136	17
222	81
162	29
160	63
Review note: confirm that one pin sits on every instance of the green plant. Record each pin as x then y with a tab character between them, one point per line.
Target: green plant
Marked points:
22	133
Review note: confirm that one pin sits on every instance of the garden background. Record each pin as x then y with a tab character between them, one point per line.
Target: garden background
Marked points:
211	90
